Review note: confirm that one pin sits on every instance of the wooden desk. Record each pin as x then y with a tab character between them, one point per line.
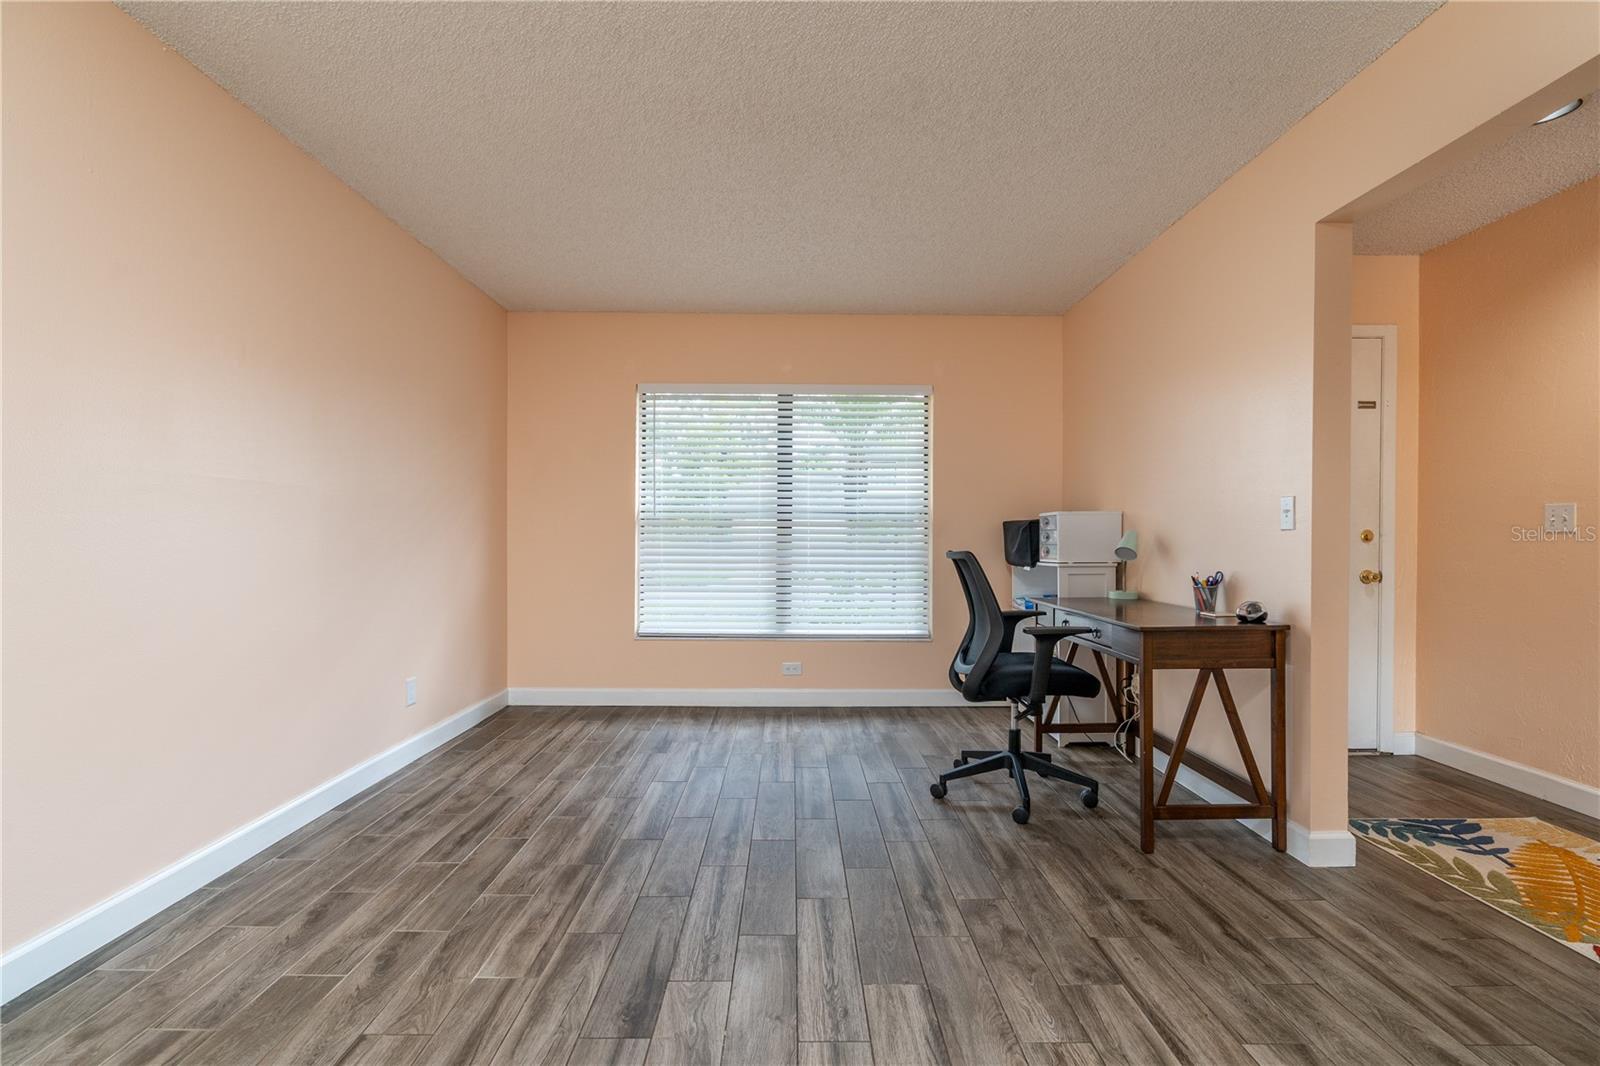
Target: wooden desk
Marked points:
1143	636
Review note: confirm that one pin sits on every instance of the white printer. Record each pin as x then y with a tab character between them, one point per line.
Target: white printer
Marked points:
1079	536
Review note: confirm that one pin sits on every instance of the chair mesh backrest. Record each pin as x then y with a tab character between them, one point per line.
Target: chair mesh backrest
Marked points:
985	625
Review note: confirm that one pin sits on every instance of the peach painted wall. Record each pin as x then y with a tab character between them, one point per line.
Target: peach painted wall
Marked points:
254	468
996	455
1509	630
1384	293
1239	315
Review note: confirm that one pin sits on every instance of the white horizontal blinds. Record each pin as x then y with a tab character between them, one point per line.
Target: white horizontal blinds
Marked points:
856	560
708	504
784	513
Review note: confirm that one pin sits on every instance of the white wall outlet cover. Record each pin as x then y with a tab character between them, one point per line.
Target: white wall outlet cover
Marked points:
791	669
1285	512
411	691
1560	517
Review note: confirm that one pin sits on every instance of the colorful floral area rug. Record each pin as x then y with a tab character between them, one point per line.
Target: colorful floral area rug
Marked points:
1540	874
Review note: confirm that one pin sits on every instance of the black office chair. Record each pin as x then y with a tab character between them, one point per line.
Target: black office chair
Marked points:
986	669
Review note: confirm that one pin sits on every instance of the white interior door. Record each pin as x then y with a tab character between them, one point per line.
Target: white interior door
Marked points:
1366	538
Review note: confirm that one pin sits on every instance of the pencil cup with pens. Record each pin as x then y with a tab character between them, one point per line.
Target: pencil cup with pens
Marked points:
1207	592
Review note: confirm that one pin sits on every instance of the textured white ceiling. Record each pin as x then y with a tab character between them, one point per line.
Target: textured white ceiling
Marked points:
857	157
1532	164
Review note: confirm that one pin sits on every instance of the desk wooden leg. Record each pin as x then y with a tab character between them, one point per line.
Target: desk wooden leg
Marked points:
1108	686
1280	800
1147	763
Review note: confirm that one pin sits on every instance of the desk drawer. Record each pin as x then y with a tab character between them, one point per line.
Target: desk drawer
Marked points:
1112	638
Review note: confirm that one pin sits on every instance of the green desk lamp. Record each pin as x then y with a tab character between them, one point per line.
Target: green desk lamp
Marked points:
1127	551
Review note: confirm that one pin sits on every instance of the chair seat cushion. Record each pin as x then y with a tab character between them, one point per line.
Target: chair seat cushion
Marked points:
1011	677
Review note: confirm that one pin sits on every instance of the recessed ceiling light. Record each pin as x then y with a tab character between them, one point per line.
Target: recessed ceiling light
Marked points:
1564	109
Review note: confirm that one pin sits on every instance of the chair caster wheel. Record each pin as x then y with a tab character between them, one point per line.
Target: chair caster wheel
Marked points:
959	762
1090	798
1020	815
937	790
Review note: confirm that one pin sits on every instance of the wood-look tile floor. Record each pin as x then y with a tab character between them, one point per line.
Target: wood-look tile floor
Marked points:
689	885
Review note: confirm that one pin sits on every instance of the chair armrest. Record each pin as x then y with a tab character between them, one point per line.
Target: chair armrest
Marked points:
1045	639
1009	620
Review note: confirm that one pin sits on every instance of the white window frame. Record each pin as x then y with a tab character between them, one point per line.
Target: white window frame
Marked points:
789	387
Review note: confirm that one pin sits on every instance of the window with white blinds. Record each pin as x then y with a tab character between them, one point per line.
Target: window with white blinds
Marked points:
798	513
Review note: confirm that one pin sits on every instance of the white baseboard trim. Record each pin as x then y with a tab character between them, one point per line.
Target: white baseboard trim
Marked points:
1322	847
737	697
57	948
1563	791
1404	744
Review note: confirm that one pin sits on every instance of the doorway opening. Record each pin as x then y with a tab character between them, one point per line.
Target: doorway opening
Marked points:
1485	267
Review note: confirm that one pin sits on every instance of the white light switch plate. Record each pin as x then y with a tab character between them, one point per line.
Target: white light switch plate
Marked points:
411	691
1286	512
1560	517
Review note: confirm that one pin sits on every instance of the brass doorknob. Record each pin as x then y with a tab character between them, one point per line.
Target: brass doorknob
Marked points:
1370	577
1366	536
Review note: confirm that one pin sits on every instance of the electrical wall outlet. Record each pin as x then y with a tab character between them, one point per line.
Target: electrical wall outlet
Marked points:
1560	517
411	691
791	669
1285	512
